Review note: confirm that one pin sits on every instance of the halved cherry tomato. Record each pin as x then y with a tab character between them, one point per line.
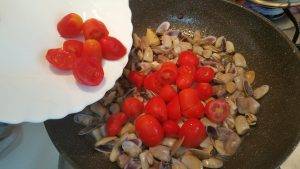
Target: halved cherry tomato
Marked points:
171	128
196	111
60	59
188	58
204	74
94	29
92	48
157	108
167	74
70	25
167	92
188	98
88	71
73	46
173	109
132	107
183	70
136	78
151	82
193	132
114	124
204	90
217	110
112	48
184	81
149	130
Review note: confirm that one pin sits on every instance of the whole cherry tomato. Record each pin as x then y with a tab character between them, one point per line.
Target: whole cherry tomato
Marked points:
114	124
92	48
204	74
157	108
88	71
136	78
217	110
70	25
173	109
149	130
167	92
188	58
188	98
184	81
193	132
112	48
151	82
171	128
94	29
132	107
73	46
204	90
184	70
167	74
196	111
60	59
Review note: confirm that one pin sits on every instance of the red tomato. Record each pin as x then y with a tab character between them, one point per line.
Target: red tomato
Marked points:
196	111
73	46
193	132
114	124
173	109
149	130
167	74
188	98
184	81
136	78
171	128
151	82
217	110
167	92
204	74
60	59
112	48
92	48
88	71
94	29
188	58
70	25
132	107
183	70
204	90
157	108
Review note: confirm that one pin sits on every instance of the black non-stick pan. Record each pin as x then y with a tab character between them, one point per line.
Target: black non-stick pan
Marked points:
274	58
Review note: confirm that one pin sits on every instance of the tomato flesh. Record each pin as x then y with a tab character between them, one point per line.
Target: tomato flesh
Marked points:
184	70
136	78
204	90
173	109
60	59
204	75
217	110
157	108
114	124
92	48
132	107
184	81
193	132
70	25
167	92
188	58
167	74
94	29
112	48
73	46
171	128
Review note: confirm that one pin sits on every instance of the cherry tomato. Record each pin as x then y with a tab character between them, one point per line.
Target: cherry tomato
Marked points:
167	92
92	48
73	46
217	110
204	90
167	74
94	29
88	71
184	81
193	132
132	107
136	78
188	98
114	124
188	58
157	108
151	82
149	130
173	109
196	111
171	128
60	59
183	70
112	48
70	25
204	74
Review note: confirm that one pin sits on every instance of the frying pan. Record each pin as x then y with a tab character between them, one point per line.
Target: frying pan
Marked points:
268	51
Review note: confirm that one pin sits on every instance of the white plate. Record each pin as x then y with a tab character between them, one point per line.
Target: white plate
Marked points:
30	89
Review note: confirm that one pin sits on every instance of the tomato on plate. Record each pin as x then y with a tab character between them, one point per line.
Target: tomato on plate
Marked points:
151	82
132	107
193	132
112	48
70	25
149	130
92	48
171	128
173	109
167	73
167	92
188	58
114	124
60	59
204	90
217	110
157	108
188	98
184	81
73	46
88	71
184	70
196	111
136	78
204	75
94	29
